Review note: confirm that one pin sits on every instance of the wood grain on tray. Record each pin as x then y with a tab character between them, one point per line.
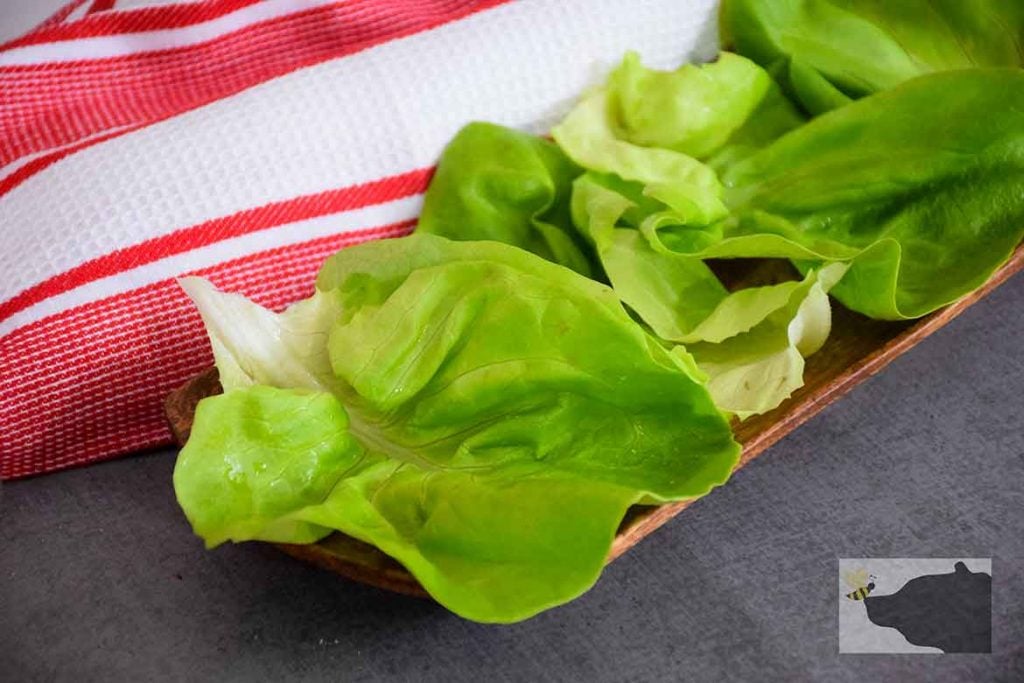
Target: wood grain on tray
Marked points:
857	349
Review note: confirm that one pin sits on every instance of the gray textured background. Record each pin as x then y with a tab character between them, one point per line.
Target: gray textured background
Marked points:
101	579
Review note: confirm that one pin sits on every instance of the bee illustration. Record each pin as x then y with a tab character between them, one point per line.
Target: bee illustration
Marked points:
861	582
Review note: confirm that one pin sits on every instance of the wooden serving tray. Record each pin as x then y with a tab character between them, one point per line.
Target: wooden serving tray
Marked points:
857	349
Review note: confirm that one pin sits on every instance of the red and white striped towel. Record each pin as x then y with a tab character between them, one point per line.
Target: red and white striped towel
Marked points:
244	141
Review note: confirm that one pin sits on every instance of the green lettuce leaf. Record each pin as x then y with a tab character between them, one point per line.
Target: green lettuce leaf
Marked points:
655	130
923	207
493	544
253	453
489	418
672	293
711	112
826	53
930	202
252	345
687	186
753	345
495	183
750	344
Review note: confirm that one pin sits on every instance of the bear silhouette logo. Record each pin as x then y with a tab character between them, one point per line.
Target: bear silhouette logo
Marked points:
915	605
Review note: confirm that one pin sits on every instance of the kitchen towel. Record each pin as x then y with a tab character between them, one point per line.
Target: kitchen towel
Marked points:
245	142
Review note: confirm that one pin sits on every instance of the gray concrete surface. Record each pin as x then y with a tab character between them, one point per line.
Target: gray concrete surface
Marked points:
101	579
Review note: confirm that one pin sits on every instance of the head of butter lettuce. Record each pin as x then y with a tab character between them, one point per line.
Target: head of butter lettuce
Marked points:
896	204
480	414
483	400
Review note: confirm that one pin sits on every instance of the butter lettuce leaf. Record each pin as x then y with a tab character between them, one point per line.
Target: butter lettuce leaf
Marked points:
489	418
752	347
923	207
668	131
495	183
670	292
252	345
712	112
930	202
686	185
750	344
253	453
492	544
826	53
